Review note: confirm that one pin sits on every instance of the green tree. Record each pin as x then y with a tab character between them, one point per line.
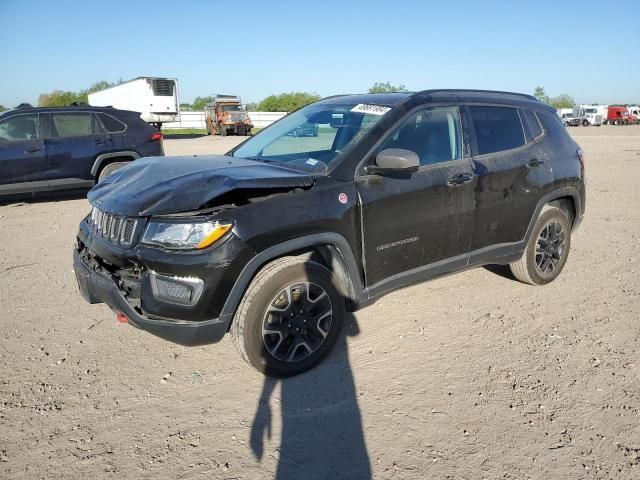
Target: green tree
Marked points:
199	103
562	101
252	107
59	98
185	107
540	94
3	108
286	102
386	87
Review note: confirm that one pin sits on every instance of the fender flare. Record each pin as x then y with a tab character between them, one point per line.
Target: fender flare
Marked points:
550	197
335	240
100	159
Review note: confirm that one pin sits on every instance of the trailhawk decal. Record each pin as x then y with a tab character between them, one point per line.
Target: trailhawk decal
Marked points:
405	241
370	109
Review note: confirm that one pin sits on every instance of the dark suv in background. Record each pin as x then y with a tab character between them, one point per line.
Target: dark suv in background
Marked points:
69	147
274	241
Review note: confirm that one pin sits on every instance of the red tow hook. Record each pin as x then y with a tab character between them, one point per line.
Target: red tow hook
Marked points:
122	318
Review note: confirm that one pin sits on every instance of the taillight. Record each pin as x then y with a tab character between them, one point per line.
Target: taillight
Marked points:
156	136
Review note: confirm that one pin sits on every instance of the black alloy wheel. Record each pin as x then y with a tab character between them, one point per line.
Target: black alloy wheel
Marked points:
550	248
297	322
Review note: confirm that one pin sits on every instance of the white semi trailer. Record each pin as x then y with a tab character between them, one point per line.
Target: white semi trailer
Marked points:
155	98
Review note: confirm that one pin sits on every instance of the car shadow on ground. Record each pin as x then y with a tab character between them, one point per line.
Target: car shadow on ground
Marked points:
42	197
501	270
322	434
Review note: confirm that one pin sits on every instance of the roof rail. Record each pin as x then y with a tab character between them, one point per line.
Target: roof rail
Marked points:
466	90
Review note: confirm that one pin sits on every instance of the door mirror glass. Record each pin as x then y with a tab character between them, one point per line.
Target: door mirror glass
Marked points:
396	159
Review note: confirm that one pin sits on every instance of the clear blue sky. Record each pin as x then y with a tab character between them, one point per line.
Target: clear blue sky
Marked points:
326	47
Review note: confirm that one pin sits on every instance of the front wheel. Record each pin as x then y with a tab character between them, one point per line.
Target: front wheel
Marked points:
547	250
289	318
585	123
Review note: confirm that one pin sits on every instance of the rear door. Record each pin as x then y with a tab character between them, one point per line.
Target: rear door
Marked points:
22	158
74	140
510	167
417	224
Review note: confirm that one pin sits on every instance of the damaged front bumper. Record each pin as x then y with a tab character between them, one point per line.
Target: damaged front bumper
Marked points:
178	296
96	287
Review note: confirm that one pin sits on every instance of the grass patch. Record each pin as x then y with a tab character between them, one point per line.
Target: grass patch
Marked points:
184	131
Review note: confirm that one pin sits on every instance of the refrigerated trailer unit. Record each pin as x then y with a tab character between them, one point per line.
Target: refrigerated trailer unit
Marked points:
155	98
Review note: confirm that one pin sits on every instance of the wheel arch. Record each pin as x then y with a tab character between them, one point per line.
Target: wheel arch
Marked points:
567	199
330	249
106	158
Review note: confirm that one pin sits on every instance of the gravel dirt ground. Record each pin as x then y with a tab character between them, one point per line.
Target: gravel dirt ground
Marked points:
470	376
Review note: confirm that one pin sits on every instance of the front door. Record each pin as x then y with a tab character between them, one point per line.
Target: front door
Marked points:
21	154
419	223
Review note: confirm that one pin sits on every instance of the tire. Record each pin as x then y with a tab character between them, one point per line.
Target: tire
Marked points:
264	330
223	130
585	123
109	169
528	268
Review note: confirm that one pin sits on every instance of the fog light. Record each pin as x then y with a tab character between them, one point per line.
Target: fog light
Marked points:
179	290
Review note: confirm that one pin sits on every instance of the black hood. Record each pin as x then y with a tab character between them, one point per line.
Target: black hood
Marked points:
164	185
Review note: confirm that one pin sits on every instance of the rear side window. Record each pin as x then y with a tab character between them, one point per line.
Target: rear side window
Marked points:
496	128
111	124
74	125
534	123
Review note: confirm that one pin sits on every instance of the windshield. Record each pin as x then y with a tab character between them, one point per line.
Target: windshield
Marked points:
591	110
313	138
232	108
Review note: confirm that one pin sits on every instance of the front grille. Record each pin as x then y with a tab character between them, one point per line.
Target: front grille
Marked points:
162	87
116	229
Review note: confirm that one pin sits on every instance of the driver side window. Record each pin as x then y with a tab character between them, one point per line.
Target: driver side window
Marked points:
19	127
434	134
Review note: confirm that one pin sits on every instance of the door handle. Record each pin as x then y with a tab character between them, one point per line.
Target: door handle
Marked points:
534	162
33	149
100	142
460	179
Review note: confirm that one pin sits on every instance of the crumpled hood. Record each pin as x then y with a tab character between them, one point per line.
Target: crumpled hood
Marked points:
164	185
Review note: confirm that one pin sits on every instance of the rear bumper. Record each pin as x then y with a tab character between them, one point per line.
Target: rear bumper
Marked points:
96	288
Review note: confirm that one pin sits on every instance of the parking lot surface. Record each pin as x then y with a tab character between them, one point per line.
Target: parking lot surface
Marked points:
469	376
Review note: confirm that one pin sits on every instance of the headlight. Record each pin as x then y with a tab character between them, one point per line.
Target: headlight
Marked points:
184	236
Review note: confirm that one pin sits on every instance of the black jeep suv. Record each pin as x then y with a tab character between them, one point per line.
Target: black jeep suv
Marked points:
69	147
275	240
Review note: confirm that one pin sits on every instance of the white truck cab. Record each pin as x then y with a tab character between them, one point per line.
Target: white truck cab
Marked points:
590	114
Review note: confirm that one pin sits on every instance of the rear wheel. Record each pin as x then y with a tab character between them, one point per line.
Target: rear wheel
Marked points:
109	169
289	318
547	250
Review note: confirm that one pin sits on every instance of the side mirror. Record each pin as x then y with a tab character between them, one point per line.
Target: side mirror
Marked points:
395	160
